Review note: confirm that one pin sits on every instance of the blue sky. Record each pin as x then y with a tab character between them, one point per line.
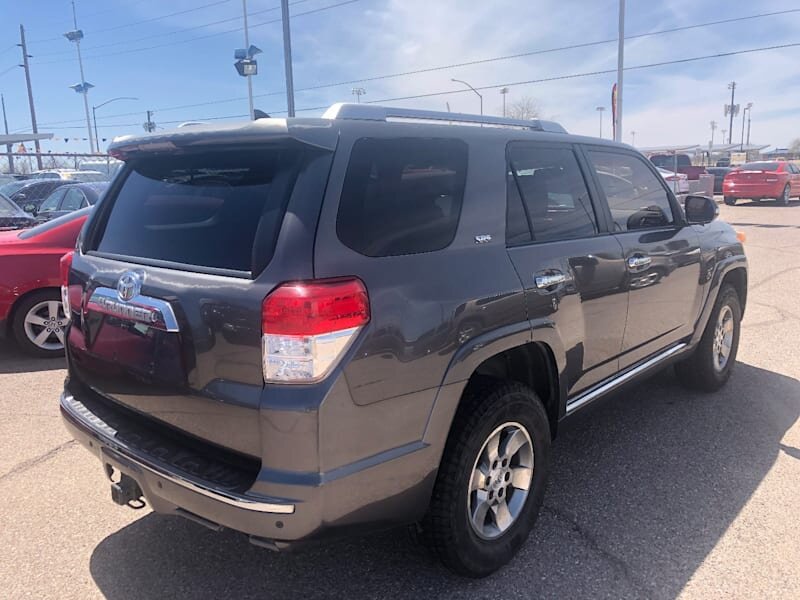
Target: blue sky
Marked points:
670	104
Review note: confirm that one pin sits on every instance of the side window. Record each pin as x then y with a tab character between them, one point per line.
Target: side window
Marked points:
635	195
51	202
555	202
73	199
402	195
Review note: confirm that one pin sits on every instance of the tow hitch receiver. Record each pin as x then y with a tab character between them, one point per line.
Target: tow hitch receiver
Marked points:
125	492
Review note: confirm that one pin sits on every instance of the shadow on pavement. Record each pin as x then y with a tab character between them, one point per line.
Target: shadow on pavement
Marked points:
13	360
642	489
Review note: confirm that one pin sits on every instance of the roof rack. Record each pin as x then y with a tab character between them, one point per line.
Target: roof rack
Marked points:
373	112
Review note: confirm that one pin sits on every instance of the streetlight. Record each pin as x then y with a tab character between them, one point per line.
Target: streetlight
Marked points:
633	138
600	110
76	35
504	91
358	92
746	110
749	113
472	88
245	64
94	116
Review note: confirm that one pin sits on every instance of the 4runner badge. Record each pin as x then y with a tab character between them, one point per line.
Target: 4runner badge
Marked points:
129	285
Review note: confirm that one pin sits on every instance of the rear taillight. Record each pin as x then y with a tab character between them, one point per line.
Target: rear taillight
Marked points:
307	326
64	266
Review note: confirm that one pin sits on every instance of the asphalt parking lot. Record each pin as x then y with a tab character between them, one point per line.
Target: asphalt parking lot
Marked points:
657	493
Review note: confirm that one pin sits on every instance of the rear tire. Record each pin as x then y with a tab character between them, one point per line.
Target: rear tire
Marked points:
38	324
480	512
729	200
706	369
785	197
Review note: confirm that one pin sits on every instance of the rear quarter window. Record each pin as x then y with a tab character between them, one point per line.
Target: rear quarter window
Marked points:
402	195
204	210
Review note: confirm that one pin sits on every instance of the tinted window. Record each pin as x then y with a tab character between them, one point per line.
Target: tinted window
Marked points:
555	200
667	161
760	166
635	195
51	202
8	208
402	196
73	199
202	209
44	227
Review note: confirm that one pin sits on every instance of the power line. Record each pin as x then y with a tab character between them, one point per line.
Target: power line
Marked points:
457	65
170	33
8	70
201	37
148	20
506	84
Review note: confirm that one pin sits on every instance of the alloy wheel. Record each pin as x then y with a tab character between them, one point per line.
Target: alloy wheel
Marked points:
44	325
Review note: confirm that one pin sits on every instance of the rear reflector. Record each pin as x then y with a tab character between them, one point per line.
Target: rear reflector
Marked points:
65	264
308	325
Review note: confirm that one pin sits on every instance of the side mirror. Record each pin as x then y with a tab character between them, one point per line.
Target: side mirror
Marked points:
29	208
700	210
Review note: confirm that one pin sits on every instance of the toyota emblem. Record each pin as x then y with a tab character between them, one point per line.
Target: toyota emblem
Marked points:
130	285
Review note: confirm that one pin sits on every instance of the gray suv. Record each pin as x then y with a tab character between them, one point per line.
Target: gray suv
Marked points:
307	328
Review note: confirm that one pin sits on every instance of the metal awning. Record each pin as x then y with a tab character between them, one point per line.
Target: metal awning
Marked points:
18	138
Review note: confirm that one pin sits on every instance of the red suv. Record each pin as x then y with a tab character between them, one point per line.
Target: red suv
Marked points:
765	179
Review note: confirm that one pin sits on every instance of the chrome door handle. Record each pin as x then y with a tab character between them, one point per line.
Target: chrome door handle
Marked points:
546	281
639	262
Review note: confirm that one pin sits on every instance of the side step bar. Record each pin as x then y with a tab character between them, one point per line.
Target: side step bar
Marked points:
593	394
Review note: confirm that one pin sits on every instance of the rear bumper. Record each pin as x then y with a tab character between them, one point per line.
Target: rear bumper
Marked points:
368	498
753	190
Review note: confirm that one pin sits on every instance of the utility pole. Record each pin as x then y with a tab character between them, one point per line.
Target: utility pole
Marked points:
248	77
747	107
749	112
732	88
358	92
724	131
633	138
287	57
620	69
9	153
76	35
504	91
26	66
149	126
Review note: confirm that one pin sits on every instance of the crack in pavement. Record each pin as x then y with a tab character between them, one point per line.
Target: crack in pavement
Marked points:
594	545
771	277
32	462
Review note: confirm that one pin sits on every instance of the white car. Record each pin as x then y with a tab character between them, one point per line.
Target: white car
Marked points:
678	182
71	175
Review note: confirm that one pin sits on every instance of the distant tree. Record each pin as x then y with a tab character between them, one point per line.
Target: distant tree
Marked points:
794	147
525	108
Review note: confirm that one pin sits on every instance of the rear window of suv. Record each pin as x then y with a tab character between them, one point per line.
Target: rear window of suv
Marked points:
402	196
760	166
204	210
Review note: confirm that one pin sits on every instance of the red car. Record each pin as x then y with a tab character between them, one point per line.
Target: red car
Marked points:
765	179
30	283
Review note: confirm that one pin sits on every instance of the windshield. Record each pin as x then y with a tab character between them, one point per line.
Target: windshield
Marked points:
8	208
760	166
9	189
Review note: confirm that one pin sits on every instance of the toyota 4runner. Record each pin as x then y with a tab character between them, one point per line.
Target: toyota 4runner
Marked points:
309	327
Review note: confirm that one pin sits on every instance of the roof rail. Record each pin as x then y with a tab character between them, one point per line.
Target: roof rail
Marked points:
374	112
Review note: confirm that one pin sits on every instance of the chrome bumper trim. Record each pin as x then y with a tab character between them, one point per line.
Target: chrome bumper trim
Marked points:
89	423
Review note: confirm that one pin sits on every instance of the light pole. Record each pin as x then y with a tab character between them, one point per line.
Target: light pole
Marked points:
504	92
358	92
472	88
76	35
747	108
94	116
749	113
633	138
600	110
620	69
713	129
732	110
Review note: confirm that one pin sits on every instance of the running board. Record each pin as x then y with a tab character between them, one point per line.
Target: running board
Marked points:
587	397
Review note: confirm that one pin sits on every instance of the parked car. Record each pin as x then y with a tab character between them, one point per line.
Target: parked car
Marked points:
12	216
299	328
678	182
31	310
763	179
30	194
724	162
68	198
684	164
71	175
719	175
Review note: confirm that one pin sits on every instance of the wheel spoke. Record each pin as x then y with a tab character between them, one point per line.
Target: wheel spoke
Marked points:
521	477
480	510
502	515
493	448
35	319
478	481
514	442
725	349
60	335
41	338
52	309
